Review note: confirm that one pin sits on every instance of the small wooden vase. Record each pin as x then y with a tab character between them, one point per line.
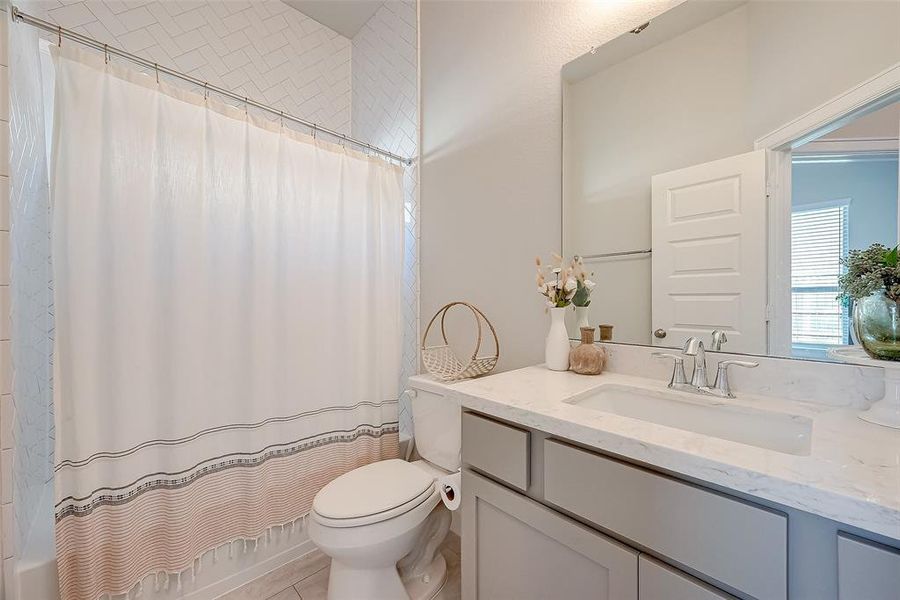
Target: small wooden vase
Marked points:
586	358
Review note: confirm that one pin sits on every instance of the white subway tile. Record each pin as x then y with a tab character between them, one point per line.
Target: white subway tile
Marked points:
4	92
4	39
6	370
72	16
4	149
7	464
4	203
7	421
136	18
137	40
4	313
10	579
4	258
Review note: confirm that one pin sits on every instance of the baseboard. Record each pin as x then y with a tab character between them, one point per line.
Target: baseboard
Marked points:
256	570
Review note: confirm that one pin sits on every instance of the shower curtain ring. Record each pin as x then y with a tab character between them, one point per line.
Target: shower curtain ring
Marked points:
246	106
106	53
281	116
156	68
206	90
59	33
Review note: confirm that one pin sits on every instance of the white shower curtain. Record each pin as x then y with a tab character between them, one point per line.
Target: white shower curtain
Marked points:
227	297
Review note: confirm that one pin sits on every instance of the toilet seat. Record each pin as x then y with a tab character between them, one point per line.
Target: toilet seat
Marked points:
373	493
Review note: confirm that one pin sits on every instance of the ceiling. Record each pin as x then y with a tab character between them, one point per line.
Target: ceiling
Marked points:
344	16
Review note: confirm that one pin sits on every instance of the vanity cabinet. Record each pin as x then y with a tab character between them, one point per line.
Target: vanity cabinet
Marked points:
525	551
658	581
867	571
544	518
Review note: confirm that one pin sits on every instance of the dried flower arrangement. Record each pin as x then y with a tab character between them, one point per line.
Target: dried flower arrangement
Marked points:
564	285
870	270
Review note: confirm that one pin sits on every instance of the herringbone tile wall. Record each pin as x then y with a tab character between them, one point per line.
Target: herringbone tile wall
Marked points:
385	112
263	49
29	209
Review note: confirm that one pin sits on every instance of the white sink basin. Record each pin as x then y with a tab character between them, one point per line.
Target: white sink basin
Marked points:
706	415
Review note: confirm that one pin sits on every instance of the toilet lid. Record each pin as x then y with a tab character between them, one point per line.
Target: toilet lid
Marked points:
371	489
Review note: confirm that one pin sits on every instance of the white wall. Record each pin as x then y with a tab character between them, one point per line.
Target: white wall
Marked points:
869	183
491	138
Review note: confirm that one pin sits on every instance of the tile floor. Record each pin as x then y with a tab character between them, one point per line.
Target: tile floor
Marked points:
306	578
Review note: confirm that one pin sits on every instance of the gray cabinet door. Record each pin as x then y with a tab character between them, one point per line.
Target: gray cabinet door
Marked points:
661	582
867	571
514	548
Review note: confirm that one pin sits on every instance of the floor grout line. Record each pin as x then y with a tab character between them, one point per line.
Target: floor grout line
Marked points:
310	575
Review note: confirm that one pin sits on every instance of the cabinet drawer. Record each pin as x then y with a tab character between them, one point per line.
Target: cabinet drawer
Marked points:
867	571
496	449
732	542
661	582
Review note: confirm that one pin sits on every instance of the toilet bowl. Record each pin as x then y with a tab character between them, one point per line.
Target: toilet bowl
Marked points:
382	523
369	519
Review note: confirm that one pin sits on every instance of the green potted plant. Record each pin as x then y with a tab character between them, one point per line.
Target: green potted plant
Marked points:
872	284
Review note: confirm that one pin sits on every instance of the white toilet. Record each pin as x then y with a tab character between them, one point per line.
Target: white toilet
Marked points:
382	523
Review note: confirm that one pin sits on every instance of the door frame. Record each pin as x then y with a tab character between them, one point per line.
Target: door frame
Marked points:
866	97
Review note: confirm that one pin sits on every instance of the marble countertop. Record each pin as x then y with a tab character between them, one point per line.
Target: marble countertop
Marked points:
852	474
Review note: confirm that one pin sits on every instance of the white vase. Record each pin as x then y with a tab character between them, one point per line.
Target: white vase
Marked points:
581	319
556	349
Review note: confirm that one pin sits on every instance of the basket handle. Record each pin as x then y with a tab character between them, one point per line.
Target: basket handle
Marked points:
478	317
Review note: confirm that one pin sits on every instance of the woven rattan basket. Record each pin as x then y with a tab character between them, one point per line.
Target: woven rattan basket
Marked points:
443	363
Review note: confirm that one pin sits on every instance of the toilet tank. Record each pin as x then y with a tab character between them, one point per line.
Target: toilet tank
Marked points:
437	422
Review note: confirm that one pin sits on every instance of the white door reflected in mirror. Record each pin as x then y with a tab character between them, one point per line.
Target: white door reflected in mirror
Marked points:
709	261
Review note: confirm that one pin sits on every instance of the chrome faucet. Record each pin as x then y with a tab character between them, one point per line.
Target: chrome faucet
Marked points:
699	383
718	338
694	347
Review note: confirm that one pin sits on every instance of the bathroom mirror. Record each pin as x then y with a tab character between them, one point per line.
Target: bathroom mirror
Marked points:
720	161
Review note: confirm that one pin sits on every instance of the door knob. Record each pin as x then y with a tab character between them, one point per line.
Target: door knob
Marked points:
660	333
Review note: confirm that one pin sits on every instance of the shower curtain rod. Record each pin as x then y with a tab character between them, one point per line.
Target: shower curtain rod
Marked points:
62	32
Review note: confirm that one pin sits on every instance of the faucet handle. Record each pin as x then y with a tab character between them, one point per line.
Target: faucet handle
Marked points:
721	385
747	364
678	376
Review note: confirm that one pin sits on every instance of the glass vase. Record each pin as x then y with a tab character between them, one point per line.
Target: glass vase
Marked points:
876	326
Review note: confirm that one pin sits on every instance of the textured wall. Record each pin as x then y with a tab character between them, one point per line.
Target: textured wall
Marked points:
491	150
263	49
30	280
7	406
385	112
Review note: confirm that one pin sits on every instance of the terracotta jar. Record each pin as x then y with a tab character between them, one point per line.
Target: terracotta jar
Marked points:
586	358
